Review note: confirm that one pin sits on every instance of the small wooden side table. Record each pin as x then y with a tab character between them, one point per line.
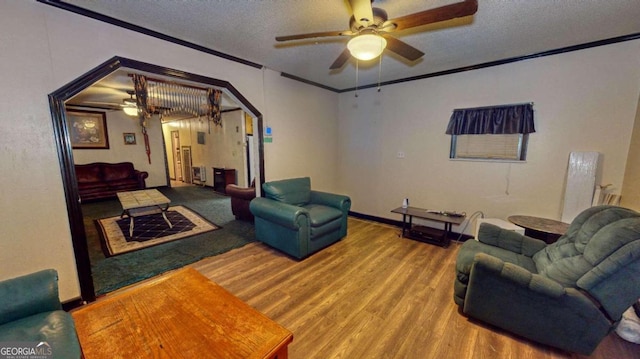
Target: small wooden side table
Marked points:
222	177
178	315
548	230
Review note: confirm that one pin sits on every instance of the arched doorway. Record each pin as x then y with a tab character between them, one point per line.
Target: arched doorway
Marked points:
57	101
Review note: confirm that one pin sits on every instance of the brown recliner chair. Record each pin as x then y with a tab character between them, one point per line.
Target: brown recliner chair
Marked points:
240	199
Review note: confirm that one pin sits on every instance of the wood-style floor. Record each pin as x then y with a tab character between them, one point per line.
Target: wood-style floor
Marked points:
373	295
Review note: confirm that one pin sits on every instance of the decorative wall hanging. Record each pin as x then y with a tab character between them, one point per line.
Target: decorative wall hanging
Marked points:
178	100
88	130
144	112
214	97
129	138
174	100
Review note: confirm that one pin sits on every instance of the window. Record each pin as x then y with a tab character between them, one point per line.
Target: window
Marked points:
493	133
495	147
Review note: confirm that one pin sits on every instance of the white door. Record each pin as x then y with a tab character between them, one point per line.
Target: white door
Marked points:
186	164
175	147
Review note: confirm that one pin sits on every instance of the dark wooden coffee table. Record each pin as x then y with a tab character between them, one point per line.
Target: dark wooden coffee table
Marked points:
427	234
548	230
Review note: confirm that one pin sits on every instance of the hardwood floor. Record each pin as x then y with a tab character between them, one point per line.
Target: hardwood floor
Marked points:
373	295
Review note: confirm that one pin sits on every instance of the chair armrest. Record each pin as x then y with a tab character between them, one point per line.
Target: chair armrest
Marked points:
284	214
240	192
140	176
338	201
518	276
512	241
28	295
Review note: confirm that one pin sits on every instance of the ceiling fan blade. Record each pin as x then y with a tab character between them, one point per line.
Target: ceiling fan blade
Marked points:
362	12
402	48
340	61
96	104
310	35
447	12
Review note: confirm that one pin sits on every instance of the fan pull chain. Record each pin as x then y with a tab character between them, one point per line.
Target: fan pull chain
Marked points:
357	62
379	71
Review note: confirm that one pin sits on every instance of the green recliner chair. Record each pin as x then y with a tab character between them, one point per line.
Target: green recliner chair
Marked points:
296	220
30	311
569	294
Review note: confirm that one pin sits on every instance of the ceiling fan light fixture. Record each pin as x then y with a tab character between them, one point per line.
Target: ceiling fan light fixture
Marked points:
366	46
130	105
131	111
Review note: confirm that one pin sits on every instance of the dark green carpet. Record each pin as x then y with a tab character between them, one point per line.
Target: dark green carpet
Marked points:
112	273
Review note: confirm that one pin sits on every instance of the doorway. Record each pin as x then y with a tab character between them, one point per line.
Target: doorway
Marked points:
177	162
186	164
251	153
57	102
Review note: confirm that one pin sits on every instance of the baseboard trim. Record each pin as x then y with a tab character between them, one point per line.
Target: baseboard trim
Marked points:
72	304
369	217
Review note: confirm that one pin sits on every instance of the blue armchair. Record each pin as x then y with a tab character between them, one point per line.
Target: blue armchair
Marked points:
30	311
296	220
569	294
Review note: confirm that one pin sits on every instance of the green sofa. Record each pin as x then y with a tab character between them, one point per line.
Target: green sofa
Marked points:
296	220
30	312
569	294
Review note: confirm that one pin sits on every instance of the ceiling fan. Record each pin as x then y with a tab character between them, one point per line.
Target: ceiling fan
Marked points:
129	105
370	30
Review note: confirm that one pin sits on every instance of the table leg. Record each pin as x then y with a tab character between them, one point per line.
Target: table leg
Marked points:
164	215
404	223
282	353
130	226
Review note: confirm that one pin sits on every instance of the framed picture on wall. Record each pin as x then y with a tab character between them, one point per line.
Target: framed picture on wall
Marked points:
129	138
88	129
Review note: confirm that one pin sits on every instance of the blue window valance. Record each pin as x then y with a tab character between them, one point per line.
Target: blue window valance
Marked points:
505	119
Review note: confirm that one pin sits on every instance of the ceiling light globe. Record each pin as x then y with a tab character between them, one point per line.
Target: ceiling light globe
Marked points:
131	111
367	46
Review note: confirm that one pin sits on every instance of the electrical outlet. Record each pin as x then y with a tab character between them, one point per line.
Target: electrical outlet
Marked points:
400	154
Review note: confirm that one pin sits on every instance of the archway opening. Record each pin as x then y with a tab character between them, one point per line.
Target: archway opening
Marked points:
58	102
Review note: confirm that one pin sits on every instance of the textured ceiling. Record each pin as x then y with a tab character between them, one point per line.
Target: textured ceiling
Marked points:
501	29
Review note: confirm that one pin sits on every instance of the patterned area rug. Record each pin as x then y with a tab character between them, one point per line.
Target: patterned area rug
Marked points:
149	230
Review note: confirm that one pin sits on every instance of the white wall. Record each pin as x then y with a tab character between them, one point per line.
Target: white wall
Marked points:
583	101
227	147
305	132
223	146
44	48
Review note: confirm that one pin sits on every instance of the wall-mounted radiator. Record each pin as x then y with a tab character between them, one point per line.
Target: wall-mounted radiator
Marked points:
200	175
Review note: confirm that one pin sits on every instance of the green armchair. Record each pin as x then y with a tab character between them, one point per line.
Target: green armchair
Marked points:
296	220
569	294
30	311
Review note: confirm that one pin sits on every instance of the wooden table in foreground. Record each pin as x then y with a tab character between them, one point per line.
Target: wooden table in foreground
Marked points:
548	230
427	234
179	315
